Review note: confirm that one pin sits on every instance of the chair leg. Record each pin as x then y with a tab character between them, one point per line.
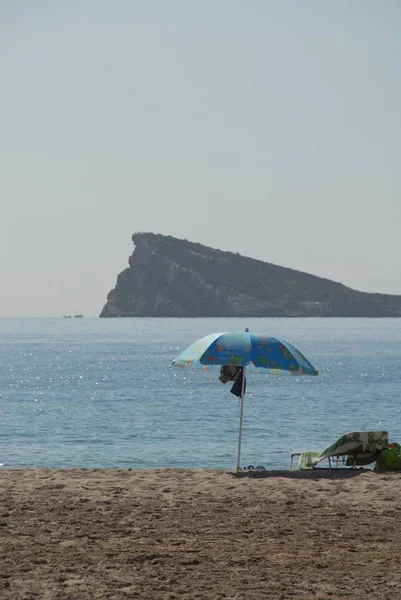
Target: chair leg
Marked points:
376	463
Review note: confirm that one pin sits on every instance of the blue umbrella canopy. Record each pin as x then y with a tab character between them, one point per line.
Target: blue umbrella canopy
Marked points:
242	348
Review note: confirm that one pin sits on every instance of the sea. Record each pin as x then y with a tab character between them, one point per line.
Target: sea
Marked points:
103	393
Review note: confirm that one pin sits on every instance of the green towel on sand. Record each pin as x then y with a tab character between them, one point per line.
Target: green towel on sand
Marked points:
390	458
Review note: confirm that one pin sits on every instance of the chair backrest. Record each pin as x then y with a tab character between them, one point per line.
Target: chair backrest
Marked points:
354	441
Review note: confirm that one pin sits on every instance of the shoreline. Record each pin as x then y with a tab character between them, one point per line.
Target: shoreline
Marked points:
83	534
316	473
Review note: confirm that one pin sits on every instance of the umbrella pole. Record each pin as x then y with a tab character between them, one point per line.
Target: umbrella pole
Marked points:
241	412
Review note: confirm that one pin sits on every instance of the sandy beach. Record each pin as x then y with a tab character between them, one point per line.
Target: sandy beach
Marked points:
169	534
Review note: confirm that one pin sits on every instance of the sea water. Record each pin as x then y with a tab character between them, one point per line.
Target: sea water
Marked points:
103	392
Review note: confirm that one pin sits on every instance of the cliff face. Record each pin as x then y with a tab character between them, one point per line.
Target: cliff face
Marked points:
168	277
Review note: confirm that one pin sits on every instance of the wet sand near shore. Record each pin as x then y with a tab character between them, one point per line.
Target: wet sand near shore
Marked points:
197	534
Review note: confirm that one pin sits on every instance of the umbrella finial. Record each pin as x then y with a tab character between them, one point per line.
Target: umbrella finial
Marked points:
247	329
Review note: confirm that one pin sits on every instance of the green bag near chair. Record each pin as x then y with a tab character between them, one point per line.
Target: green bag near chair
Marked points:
390	458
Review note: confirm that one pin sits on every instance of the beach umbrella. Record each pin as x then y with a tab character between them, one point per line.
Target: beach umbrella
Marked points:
240	349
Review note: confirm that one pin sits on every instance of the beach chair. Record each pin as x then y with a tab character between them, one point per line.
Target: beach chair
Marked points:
355	449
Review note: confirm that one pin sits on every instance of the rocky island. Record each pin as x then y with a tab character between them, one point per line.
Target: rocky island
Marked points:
169	277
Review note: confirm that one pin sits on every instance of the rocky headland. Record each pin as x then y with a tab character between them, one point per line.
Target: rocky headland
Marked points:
169	277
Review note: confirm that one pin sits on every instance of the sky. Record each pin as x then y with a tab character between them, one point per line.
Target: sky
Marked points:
266	128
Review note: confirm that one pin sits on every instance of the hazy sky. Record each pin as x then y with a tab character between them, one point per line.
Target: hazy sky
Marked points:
266	127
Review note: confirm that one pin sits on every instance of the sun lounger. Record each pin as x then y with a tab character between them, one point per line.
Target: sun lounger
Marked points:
358	448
